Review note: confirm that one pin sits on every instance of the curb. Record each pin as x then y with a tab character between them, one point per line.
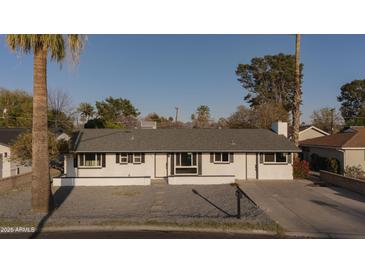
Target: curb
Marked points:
107	228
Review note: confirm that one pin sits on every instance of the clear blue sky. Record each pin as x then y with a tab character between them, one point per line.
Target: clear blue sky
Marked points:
159	72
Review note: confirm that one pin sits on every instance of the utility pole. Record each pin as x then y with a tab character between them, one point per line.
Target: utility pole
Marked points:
332	118
176	114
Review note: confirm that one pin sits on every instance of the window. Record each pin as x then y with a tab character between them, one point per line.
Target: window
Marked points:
278	157
221	157
90	160
137	158
5	154
186	163
124	158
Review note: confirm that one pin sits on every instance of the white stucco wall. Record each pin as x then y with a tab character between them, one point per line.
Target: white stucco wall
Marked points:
237	168
61	181
155	164
6	165
10	168
275	171
112	168
355	157
204	180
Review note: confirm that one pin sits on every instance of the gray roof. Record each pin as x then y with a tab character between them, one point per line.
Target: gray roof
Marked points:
8	135
173	140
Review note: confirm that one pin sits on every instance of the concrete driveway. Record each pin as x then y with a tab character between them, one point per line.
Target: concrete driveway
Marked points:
304	208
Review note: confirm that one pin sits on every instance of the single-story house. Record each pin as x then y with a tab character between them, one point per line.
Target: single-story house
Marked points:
7	167
308	132
176	156
348	147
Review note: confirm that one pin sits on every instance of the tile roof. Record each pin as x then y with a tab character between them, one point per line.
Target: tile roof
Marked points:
7	135
354	138
170	140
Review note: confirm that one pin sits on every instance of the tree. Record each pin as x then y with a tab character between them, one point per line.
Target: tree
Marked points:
265	114
242	118
325	119
60	109
163	122
21	148
40	45
269	79
297	100
86	111
352	100
117	113
202	117
15	108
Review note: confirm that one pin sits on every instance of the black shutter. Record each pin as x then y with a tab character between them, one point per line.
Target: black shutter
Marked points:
199	163
142	157
117	158
172	163
289	158
231	157
211	157
130	157
75	160
103	164
261	158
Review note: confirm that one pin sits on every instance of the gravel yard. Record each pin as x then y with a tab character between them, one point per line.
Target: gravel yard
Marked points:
136	204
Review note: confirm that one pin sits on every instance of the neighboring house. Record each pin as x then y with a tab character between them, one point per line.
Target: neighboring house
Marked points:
307	132
176	156
63	136
348	147
9	168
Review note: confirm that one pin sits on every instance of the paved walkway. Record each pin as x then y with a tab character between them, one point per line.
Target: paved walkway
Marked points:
304	207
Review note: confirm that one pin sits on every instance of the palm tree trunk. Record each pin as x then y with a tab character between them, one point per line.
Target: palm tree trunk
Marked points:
297	95
41	188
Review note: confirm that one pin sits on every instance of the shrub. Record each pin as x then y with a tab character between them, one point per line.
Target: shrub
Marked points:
334	165
300	169
354	171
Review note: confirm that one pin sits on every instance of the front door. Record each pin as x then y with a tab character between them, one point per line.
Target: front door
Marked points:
160	165
251	166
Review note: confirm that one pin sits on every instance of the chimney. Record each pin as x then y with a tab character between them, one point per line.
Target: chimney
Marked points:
281	128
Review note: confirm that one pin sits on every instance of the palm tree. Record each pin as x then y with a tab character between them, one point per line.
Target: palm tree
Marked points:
86	111
40	45
203	115
298	93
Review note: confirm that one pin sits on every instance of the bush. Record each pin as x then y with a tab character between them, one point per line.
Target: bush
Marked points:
300	169
354	171
334	165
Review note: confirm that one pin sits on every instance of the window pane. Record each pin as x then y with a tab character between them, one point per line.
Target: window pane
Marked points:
281	157
124	157
182	170
194	159
217	157
186	159
269	157
225	157
98	157
89	159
